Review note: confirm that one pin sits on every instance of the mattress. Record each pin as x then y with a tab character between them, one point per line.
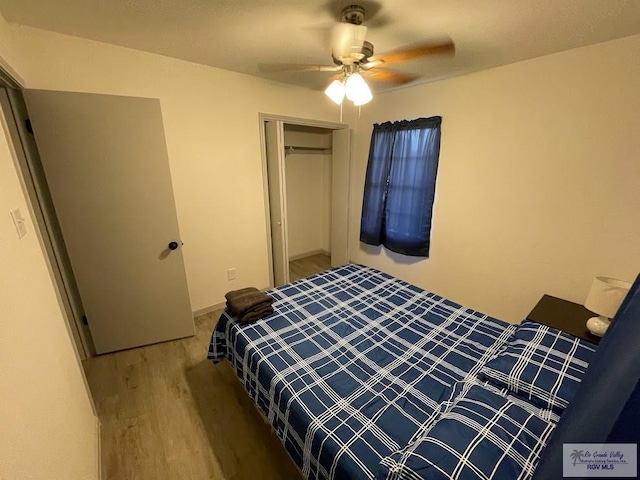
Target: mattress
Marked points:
354	365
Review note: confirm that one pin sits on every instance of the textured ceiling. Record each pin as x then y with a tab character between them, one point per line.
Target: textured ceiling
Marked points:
241	34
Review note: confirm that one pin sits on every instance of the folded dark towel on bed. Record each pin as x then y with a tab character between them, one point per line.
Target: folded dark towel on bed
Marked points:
257	313
236	293
246	300
241	304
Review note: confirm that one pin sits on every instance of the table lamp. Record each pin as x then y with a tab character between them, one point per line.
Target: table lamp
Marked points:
604	299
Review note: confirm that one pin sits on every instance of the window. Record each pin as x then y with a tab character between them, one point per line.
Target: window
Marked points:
400	185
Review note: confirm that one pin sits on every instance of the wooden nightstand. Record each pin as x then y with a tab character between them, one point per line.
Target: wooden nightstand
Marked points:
563	315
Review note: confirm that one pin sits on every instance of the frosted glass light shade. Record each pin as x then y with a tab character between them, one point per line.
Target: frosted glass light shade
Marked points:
357	90
347	40
606	295
364	98
336	91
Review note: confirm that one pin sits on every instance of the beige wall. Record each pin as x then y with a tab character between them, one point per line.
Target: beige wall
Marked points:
211	123
307	197
539	181
326	203
48	428
9	57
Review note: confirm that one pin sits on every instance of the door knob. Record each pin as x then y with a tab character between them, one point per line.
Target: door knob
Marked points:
173	245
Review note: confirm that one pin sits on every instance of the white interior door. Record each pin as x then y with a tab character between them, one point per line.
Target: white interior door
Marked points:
274	138
106	164
340	170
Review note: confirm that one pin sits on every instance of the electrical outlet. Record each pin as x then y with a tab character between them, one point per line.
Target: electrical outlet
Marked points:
231	274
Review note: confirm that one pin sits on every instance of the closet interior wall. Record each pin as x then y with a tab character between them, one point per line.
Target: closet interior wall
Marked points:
308	159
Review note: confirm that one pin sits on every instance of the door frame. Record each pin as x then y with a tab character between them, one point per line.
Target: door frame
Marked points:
265	117
12	85
282	196
12	103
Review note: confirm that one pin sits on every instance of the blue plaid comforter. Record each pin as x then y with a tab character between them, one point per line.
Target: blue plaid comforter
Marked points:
355	364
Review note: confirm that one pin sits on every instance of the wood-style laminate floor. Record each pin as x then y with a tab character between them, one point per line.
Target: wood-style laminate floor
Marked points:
167	413
306	266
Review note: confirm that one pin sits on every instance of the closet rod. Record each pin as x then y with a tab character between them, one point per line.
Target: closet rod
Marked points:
291	149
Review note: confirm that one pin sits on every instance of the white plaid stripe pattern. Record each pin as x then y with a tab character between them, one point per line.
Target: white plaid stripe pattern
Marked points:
542	364
353	364
482	435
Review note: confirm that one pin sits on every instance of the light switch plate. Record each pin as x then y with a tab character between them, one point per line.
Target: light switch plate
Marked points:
19	222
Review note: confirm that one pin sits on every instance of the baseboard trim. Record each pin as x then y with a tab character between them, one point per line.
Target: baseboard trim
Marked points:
212	308
308	254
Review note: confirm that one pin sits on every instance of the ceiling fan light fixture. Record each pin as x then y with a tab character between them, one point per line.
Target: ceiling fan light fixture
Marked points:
357	90
336	91
347	41
364	99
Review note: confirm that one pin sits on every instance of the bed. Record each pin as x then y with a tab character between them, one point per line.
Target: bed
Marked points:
362	376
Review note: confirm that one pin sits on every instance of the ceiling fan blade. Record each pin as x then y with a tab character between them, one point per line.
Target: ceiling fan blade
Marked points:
293	67
389	76
347	39
410	53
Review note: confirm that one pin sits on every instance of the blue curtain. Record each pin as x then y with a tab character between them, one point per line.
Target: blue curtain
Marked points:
400	185
375	187
606	408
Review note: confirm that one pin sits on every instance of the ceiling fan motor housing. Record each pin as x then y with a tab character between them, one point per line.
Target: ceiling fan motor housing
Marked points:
367	50
353	14
356	58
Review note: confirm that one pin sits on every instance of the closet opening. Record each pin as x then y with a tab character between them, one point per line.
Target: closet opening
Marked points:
308	201
306	179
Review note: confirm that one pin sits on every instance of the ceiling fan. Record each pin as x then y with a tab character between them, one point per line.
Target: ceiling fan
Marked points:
354	60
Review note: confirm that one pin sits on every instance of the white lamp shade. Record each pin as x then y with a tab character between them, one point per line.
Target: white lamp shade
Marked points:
365	97
336	91
357	90
606	295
